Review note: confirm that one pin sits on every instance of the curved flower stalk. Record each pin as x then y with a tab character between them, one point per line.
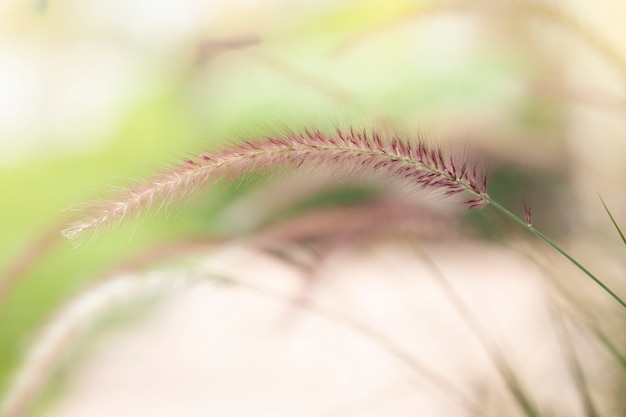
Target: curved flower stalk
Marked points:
418	164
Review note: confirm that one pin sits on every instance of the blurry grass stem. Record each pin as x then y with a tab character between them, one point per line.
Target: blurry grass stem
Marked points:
613	221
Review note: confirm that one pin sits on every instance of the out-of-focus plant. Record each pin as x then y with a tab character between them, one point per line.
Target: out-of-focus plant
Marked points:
360	59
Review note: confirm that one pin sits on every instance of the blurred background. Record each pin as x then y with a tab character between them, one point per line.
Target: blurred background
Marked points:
97	93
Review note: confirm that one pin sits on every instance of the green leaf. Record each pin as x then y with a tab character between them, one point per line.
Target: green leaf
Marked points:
613	220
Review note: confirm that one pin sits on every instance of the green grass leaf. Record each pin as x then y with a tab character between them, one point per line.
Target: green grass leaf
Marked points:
613	220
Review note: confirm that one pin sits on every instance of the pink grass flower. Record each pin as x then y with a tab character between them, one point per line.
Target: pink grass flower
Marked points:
362	152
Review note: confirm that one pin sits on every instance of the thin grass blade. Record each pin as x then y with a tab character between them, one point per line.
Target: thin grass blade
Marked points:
613	220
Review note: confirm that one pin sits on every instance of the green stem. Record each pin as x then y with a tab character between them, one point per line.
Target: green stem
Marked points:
557	248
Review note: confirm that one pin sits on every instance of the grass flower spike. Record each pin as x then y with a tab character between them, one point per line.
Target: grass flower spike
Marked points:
418	164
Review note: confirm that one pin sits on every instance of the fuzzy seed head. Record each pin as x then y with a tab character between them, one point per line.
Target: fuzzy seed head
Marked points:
419	164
